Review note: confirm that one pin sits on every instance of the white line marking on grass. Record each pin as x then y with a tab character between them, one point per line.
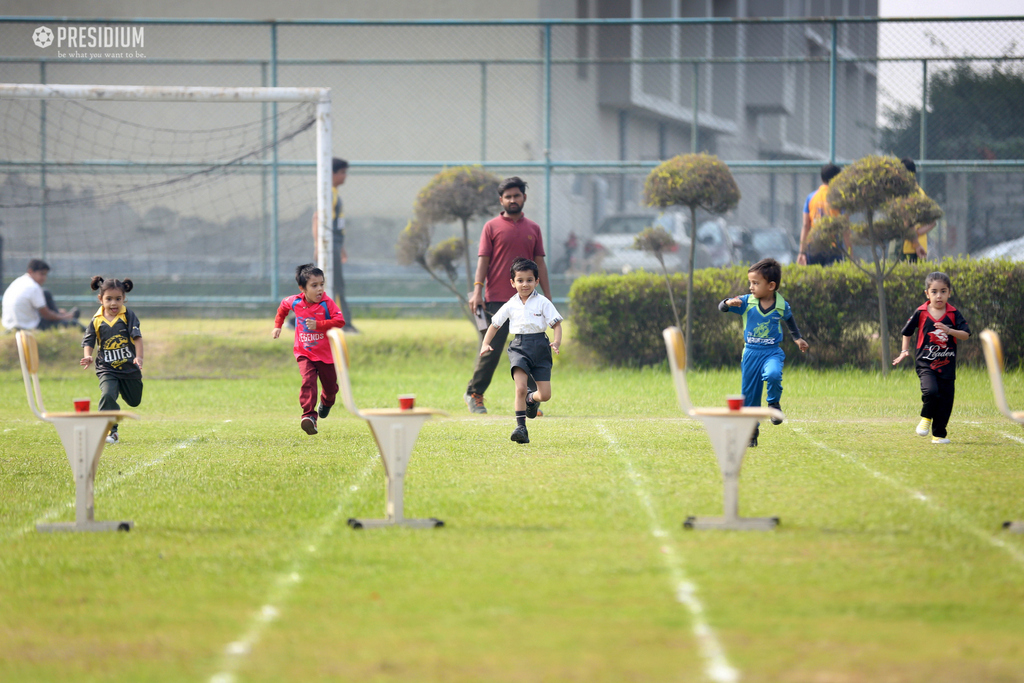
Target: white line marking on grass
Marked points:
955	518
717	667
1012	437
236	651
106	485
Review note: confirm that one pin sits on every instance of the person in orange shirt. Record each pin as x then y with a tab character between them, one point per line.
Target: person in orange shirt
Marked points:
816	207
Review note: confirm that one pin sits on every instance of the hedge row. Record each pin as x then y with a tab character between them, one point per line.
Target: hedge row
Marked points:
620	317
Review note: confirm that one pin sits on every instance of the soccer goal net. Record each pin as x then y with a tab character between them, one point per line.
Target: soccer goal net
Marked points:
199	194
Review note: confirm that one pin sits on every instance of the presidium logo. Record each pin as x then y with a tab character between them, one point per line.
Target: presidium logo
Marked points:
42	37
91	36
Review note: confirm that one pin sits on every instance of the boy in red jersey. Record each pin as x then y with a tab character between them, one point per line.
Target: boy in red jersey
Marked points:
315	313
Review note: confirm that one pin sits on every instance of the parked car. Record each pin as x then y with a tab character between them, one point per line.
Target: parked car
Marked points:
1012	250
755	244
611	247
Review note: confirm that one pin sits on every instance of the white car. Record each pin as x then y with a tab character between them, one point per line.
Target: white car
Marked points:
611	247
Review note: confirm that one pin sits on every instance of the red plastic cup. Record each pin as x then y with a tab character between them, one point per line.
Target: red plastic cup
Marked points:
406	401
81	405
735	401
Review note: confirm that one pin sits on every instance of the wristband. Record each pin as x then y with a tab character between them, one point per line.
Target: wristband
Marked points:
478	283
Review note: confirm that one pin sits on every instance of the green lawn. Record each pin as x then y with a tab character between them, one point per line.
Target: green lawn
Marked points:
561	560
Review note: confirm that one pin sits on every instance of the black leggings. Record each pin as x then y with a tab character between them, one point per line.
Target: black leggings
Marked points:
937	398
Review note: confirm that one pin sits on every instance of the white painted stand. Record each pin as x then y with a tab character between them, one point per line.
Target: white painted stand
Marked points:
83	436
730	432
395	431
994	360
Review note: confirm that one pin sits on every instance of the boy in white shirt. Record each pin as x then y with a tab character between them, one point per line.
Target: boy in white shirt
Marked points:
529	314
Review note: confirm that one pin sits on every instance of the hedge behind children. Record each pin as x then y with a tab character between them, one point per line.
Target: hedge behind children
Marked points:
119	347
935	327
315	313
763	311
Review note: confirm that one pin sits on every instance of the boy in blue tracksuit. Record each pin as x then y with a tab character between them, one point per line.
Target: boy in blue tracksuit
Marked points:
763	311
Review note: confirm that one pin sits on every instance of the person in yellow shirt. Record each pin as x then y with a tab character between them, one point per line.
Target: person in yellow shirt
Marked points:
916	248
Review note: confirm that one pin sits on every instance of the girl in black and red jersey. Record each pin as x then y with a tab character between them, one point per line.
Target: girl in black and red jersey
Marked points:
935	328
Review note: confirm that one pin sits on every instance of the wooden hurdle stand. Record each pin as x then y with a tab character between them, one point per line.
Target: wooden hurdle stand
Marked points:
83	436
730	432
994	360
395	431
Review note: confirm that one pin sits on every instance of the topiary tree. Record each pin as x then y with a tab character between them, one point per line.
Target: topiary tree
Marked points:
414	247
459	194
656	241
697	181
880	188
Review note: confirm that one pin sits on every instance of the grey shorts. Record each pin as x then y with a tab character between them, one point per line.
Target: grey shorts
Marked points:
532	353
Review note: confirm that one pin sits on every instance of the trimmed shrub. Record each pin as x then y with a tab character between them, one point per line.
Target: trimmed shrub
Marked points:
620	317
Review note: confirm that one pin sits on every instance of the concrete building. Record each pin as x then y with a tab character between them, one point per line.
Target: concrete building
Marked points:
476	93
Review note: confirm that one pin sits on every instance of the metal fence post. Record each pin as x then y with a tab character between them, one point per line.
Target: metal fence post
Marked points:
265	214
274	265
547	136
832	94
42	166
483	111
922	153
696	107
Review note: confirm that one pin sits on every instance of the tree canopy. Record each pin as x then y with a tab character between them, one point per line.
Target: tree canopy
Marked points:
699	181
461	193
972	114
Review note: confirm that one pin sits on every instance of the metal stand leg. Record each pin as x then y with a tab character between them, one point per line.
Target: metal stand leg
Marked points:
729	437
396	436
83	441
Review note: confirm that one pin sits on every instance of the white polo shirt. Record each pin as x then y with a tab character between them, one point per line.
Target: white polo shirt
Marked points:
22	301
531	317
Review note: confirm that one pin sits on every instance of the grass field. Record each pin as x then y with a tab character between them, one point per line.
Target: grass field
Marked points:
561	560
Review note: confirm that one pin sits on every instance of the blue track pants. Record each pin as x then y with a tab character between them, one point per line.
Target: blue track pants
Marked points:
759	366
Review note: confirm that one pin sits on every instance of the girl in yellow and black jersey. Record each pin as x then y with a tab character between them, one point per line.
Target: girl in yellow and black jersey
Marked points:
115	337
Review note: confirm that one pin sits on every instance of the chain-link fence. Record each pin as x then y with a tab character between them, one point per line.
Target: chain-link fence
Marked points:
582	109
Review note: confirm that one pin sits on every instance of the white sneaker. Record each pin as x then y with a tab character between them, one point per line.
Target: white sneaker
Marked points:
112	437
924	426
937	439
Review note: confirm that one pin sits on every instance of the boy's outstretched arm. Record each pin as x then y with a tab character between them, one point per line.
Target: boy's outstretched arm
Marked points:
801	343
557	341
725	304
485	346
282	313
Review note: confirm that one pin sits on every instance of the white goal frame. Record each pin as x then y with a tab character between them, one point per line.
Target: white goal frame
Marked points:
321	97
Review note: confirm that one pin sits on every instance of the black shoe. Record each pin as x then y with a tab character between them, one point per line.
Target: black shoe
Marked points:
520	435
350	329
531	409
308	425
323	411
776	420
753	439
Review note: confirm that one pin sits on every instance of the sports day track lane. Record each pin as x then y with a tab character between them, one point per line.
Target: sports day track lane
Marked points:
717	666
958	520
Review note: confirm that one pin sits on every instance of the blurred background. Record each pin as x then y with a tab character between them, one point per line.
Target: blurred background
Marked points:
211	204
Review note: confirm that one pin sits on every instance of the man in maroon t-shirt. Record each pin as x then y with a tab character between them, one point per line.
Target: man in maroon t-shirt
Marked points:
505	238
